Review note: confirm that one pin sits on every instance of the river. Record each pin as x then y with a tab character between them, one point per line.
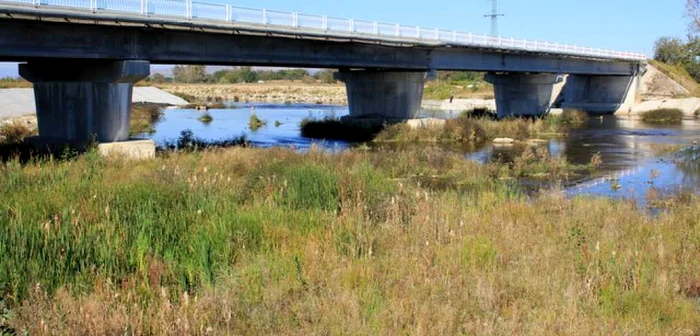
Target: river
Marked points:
634	162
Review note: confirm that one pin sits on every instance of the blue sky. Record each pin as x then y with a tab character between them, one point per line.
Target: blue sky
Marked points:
629	25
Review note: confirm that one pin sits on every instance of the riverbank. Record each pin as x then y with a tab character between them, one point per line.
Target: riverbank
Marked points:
270	92
243	240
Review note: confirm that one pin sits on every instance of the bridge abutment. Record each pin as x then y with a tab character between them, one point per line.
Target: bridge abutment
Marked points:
393	95
600	94
79	101
523	94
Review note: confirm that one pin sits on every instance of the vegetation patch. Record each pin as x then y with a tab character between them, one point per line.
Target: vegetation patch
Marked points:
189	142
340	129
143	116
14	132
462	129
254	122
246	240
573	117
663	116
205	118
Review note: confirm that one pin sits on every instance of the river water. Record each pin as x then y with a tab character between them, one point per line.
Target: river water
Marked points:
634	163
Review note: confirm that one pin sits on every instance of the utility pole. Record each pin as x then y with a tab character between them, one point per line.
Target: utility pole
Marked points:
494	17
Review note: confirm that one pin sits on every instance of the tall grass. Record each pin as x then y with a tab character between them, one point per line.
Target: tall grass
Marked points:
143	116
250	241
14	132
663	116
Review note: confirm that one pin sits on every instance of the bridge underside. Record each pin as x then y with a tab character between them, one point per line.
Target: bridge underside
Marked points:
100	61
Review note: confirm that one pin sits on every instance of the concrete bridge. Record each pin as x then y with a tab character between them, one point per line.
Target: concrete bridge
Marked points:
83	57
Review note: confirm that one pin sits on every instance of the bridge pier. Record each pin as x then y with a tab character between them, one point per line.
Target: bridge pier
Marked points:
523	94
381	94
600	94
79	101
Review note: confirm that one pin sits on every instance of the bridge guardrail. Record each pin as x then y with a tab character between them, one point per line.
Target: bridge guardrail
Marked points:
194	10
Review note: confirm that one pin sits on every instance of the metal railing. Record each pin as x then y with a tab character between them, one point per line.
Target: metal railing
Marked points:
322	24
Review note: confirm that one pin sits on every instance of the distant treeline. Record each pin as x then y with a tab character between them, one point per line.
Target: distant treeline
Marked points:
246	74
198	74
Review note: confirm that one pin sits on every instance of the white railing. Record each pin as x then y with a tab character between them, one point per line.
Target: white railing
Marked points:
321	24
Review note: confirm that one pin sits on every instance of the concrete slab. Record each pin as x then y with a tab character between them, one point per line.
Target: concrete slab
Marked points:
134	149
131	149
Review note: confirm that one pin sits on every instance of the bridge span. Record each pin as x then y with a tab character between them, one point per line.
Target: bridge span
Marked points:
83	57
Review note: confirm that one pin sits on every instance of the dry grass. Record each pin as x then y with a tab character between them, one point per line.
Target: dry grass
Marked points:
14	132
255	241
663	116
465	129
680	75
143	116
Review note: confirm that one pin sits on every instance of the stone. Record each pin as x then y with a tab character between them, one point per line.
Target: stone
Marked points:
503	141
425	122
136	149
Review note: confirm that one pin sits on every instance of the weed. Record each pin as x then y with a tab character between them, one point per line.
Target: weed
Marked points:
663	116
205	118
254	123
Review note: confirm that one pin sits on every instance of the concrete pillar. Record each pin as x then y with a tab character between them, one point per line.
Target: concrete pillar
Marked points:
383	94
522	94
81	100
600	94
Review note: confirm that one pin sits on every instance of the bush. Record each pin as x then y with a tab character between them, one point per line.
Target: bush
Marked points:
205	118
663	116
573	117
334	128
14	132
189	142
143	115
255	123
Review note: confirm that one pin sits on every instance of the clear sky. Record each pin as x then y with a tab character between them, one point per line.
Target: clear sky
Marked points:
628	25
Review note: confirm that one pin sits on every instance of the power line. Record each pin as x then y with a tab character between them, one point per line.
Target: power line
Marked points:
494	17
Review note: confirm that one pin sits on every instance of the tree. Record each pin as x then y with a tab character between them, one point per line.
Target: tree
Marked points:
670	50
189	73
692	12
157	78
325	76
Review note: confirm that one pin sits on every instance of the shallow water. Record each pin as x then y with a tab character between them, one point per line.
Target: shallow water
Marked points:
633	163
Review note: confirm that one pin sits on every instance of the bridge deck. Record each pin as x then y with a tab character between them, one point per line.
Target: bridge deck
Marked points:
303	26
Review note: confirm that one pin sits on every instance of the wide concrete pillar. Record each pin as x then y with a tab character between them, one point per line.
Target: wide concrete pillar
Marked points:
383	94
79	100
522	94
598	94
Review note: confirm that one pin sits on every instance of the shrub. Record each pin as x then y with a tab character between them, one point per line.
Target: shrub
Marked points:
334	128
189	142
205	118
573	117
663	116
14	132
255	123
143	116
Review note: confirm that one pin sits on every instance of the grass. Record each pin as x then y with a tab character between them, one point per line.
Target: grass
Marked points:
663	116
205	118
252	241
143	116
254	122
336	128
680	75
573	117
14	132
462	129
188	142
11	83
441	90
